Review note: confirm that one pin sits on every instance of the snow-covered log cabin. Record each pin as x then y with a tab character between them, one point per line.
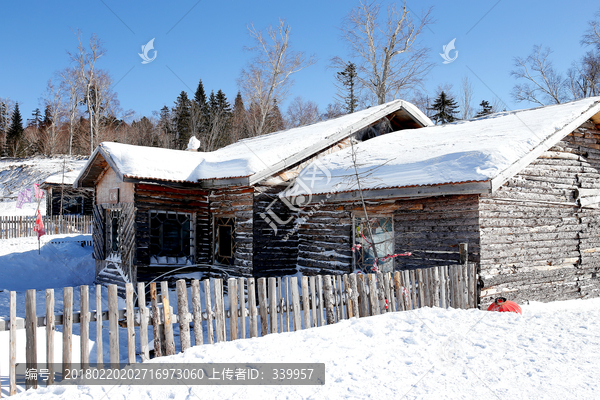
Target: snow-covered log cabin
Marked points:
522	188
159	210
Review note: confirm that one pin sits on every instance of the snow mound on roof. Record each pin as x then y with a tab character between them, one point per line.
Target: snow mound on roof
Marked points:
475	150
243	158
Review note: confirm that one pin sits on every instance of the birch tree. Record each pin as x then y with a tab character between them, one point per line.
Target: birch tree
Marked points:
85	64
69	84
53	104
385	48
465	100
267	78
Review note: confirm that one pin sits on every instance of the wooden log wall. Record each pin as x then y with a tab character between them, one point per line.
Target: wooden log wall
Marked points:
54	195
275	252
430	228
537	242
156	197
236	202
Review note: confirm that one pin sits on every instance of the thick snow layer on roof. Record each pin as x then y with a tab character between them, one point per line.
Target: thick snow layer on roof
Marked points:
475	150
70	174
243	158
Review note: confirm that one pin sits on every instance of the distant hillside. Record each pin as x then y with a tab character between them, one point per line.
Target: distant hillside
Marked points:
17	174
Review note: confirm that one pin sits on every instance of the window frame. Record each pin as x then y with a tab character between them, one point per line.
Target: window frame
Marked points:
168	259
219	221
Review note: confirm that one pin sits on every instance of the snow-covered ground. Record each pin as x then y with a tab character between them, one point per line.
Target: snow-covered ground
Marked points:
20	174
552	351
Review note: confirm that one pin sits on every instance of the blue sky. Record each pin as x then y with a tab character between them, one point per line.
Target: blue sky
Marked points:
205	40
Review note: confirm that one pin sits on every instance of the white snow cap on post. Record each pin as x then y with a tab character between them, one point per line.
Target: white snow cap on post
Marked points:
193	144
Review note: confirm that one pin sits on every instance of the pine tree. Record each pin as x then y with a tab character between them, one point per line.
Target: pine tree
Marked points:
275	121
182	120
199	111
347	88
36	119
15	132
239	127
445	109
165	124
486	109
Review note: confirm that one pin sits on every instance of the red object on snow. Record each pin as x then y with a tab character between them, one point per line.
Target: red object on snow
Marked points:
39	225
503	305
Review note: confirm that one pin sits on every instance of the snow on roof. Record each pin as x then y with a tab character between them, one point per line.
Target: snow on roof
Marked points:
71	173
270	153
478	150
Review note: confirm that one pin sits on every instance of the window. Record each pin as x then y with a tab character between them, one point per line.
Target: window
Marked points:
113	234
73	205
171	238
382	229
224	234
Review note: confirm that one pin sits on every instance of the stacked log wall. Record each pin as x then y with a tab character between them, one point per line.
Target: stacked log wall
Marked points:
430	228
236	202
275	243
537	242
156	197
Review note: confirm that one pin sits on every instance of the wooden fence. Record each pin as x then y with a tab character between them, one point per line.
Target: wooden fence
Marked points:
22	226
255	308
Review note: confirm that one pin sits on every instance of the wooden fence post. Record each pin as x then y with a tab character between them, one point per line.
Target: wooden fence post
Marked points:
252	317
84	324
288	305
273	305
327	293
209	312
169	338
233	308
320	299
130	323
113	326
313	300
67	328
262	306
183	312
50	328
220	311
281	303
296	304
354	295
12	370
197	312
31	337
305	302
99	354
155	321
242	302
143	310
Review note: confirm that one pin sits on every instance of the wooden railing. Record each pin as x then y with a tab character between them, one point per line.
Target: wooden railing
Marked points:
255	308
22	226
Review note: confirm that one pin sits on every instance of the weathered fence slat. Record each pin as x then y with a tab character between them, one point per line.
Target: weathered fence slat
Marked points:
262	306
12	370
280	302
233	308
347	297
313	299
84	325
209	311
50	328
288	307
155	321
113	326
305	302
296	304
220	326
67	322
380	293
389	284
183	311
373	298
328	294
197	313
320	299
130	323
339	298
242	302
252	317
354	295
99	354
143	310
273	304
31	339
168	322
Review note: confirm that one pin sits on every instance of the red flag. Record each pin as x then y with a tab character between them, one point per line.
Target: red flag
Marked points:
39	225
